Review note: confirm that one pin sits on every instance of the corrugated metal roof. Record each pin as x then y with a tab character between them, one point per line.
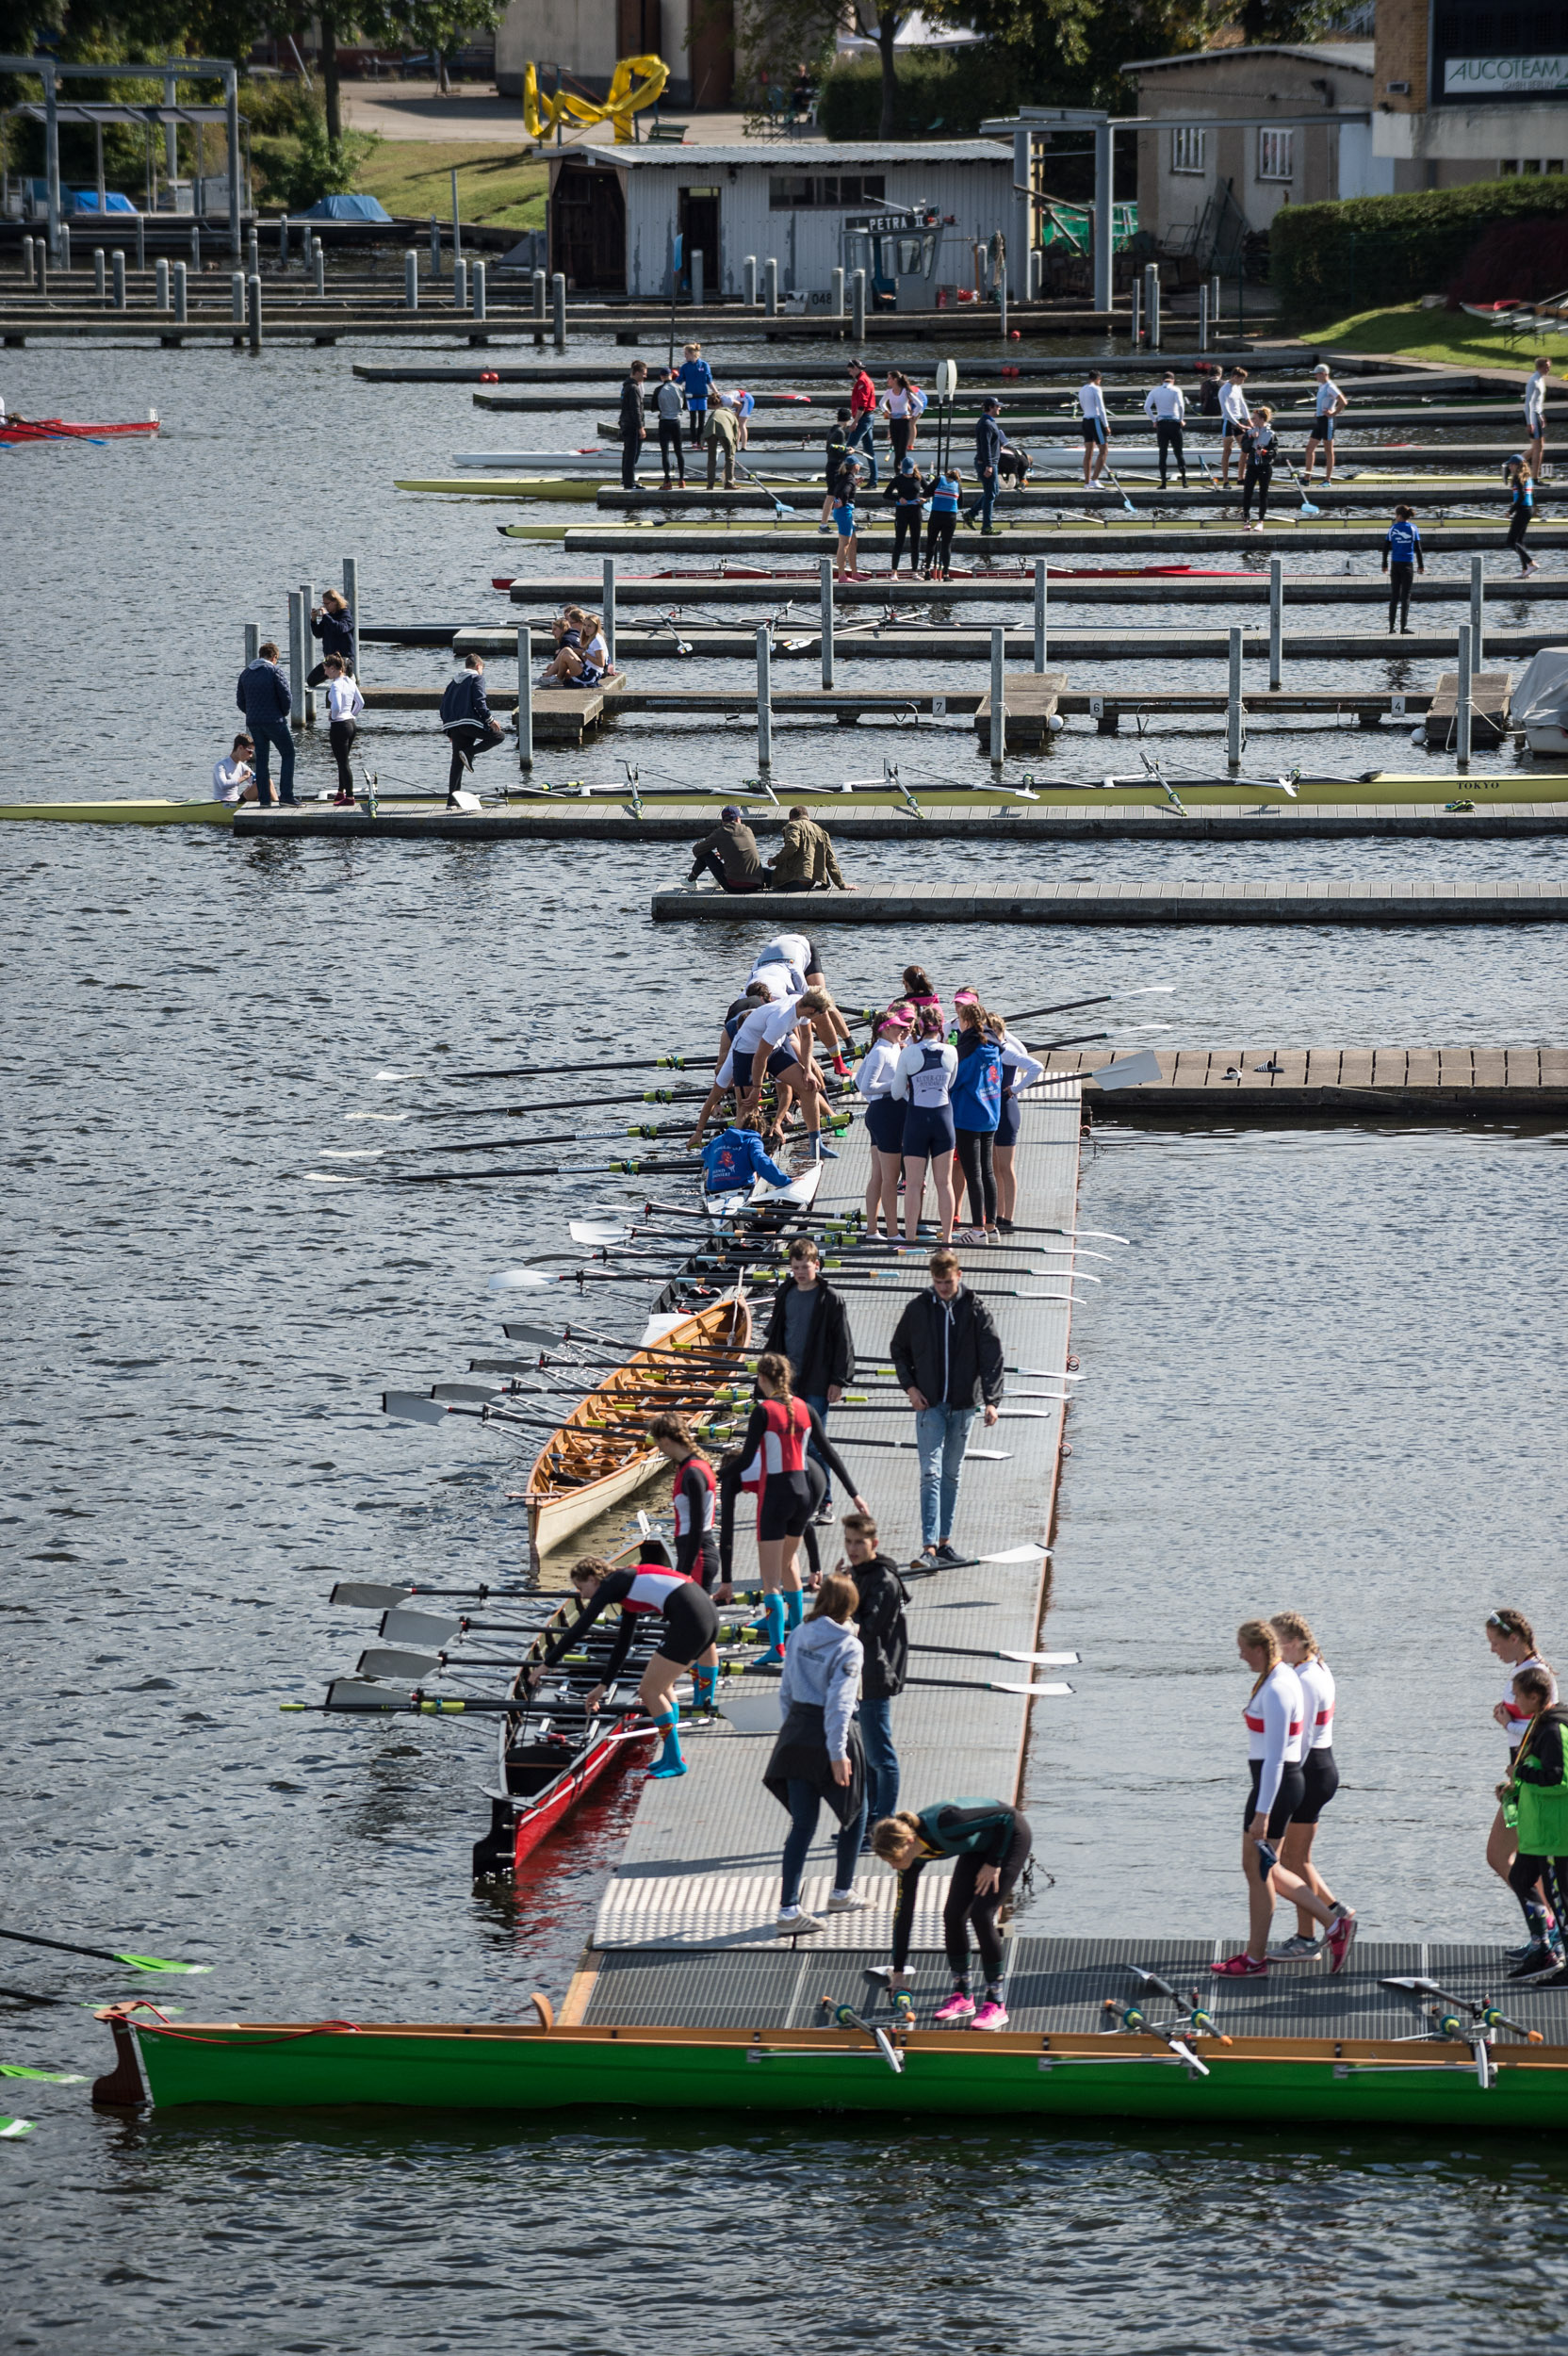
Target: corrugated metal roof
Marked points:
1355	55
814	154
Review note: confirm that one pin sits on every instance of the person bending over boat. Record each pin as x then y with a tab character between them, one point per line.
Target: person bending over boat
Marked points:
776	1042
1535	1795
991	1842
1319	1774
735	1157
686	1638
773	1459
1513	1641
818	1755
1276	1721
693	1494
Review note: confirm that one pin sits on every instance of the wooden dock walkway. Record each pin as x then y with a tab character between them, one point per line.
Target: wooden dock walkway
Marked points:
1332	1083
1320	902
1484	492
911	642
1002	589
1109	539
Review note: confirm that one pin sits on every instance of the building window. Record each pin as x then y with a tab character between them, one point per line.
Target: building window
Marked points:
1276	154
811	191
1189	149
1508	167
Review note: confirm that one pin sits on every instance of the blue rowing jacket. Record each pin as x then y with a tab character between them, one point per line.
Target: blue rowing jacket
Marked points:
975	1092
734	1159
1403	541
262	694
697	377
944	496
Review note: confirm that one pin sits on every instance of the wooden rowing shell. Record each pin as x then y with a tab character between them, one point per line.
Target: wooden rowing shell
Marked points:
580	1473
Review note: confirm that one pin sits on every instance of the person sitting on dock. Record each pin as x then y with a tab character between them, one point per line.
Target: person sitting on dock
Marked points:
1402	561
1327	402
696	379
991	1842
569	629
262	696
728	853
668	402
721	435
908	492
334	624
588	663
687	1637
806	860
947	1356
233	779
467	718
818	1755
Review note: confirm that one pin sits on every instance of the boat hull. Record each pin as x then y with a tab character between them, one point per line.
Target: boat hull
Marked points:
947	2074
124	814
538	1818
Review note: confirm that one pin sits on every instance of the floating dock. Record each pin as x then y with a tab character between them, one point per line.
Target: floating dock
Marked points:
1403	1084
1325	902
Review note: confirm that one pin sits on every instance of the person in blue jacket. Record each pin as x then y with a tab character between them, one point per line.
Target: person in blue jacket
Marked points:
976	1096
466	718
1402	560
734	1159
262	696
696	379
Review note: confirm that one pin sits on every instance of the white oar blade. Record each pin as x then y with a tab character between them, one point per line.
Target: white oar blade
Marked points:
1043	1659
390	1119
597	1231
381	1662
359	1595
1140	1071
1034	1693
412	1407
992	1455
353	1153
1016	1554
349	1693
419	1627
467	1392
331	1178
402	1075
522	1280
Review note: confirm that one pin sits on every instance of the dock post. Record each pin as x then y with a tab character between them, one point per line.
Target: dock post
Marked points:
770	286
65	247
540	283
120	278
765	699
252	641
28	279
1002	300
1466	689
196	245
253	253
1213	306
254	291
283	240
858	306
181	313
1478	612
557	310
609	598
1135	297
479	290
826	568
307	606
999	705
525	696
838	292
1203	317
350	592
44	269
296	660
410	279
434	247
1152	303
236	300
1039	615
697	289
460	283
160	288
141	241
100	276
748	280
318	265
1276	620
1233	703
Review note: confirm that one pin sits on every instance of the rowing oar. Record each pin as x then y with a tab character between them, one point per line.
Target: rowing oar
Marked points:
104	1955
544	1169
1036	1014
954	1685
652	1129
564	1071
962	1652
551	1105
357	1595
550	1335
414	1407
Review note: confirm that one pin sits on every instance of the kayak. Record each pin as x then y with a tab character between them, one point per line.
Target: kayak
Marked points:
1000	576
58	429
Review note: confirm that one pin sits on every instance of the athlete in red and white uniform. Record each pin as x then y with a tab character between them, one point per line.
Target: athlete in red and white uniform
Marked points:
1319	1774
773	1457
1276	1727
1513	1641
688	1635
693	1497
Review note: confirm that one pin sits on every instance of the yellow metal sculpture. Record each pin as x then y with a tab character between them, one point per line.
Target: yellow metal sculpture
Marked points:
637	82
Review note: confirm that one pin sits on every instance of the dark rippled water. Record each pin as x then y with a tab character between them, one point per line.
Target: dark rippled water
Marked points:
1329	1374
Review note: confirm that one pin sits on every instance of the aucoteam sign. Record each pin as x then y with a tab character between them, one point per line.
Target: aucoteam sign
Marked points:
1504	77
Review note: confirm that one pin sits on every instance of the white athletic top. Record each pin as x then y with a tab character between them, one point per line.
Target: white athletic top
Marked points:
1166	400
1091	400
784	949
1535	404
344	700
1233	405
769	1026
1317	1684
878	1069
1519	1719
924	1073
1275	1718
1020	1069
1327	393
779	981
229	777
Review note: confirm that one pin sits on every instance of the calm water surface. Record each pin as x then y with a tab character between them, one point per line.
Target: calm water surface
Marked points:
1328	1374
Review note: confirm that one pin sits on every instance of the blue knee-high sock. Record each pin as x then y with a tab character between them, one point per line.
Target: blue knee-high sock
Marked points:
795	1607
704	1684
773	1611
670	1762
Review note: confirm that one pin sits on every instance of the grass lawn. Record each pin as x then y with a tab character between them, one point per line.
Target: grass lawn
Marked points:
1451	337
497	183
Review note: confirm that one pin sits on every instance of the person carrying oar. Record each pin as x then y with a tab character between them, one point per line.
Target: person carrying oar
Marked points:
691	1625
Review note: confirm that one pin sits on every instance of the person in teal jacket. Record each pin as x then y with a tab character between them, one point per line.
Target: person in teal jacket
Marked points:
991	1842
1536	1792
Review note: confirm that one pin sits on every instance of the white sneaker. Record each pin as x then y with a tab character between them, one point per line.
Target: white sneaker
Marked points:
1298	1950
845	1902
790	1920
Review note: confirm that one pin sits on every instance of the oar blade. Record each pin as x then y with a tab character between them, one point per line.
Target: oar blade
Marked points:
380	1661
350	1694
160	1963
522	1280
12	2130
465	1393
597	1231
544	1336
1043	1659
419	1627
361	1595
412	1407
43	2077
1034	1693
1016	1554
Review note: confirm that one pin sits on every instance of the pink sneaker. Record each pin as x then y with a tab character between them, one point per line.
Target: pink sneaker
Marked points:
956	2013
1240	1967
991	2016
1339	1939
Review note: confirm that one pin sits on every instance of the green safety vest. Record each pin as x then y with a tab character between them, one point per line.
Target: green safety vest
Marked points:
1542	1812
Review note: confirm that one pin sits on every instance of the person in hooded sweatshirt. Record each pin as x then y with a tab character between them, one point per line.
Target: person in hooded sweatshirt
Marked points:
884	1634
467	719
818	1755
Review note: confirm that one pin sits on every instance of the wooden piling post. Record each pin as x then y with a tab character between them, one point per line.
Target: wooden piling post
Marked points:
698	289
1464	713
460	283
839	293
557	310
765	699
541	285
858	306
100	275
1232	702
998	704
1039	613
479	290
1276	621
1151	304
236	300
770	286
160	286
252	253
748	280
308	604
609	601
825	569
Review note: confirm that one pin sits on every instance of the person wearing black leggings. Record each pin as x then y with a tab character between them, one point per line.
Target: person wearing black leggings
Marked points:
907	493
991	1842
977	1098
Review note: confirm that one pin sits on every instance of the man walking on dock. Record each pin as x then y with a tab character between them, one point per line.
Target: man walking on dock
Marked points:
262	696
947	1355
633	432
728	853
863	411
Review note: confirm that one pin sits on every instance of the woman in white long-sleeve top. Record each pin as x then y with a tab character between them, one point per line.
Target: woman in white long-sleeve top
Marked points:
884	1120
1276	1725
1020	1070
818	1755
923	1078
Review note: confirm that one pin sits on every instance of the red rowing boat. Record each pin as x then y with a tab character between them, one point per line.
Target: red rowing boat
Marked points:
548	1770
1001	579
60	429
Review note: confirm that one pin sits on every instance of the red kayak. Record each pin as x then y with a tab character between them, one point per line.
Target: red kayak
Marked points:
58	429
1053	572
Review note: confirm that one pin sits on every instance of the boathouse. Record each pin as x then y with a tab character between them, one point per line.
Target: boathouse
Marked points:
616	212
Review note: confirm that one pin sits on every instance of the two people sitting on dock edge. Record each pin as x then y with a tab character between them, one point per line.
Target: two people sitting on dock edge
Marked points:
806	861
469	725
581	657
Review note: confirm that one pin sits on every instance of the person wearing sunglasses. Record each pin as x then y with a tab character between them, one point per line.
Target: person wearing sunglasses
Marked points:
1513	1641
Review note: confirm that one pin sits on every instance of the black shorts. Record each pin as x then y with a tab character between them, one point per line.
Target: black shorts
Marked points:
1320	1781
1287	1800
781	1060
691	1625
1094	431
786	1506
885	1123
741	1067
1322	429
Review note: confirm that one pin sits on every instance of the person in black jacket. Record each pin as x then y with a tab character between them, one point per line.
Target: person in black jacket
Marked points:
333	622
465	717
633	432
885	1641
990	440
809	1326
262	696
908	492
947	1355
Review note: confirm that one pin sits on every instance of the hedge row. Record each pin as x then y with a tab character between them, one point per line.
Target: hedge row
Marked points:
1329	260
950	94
